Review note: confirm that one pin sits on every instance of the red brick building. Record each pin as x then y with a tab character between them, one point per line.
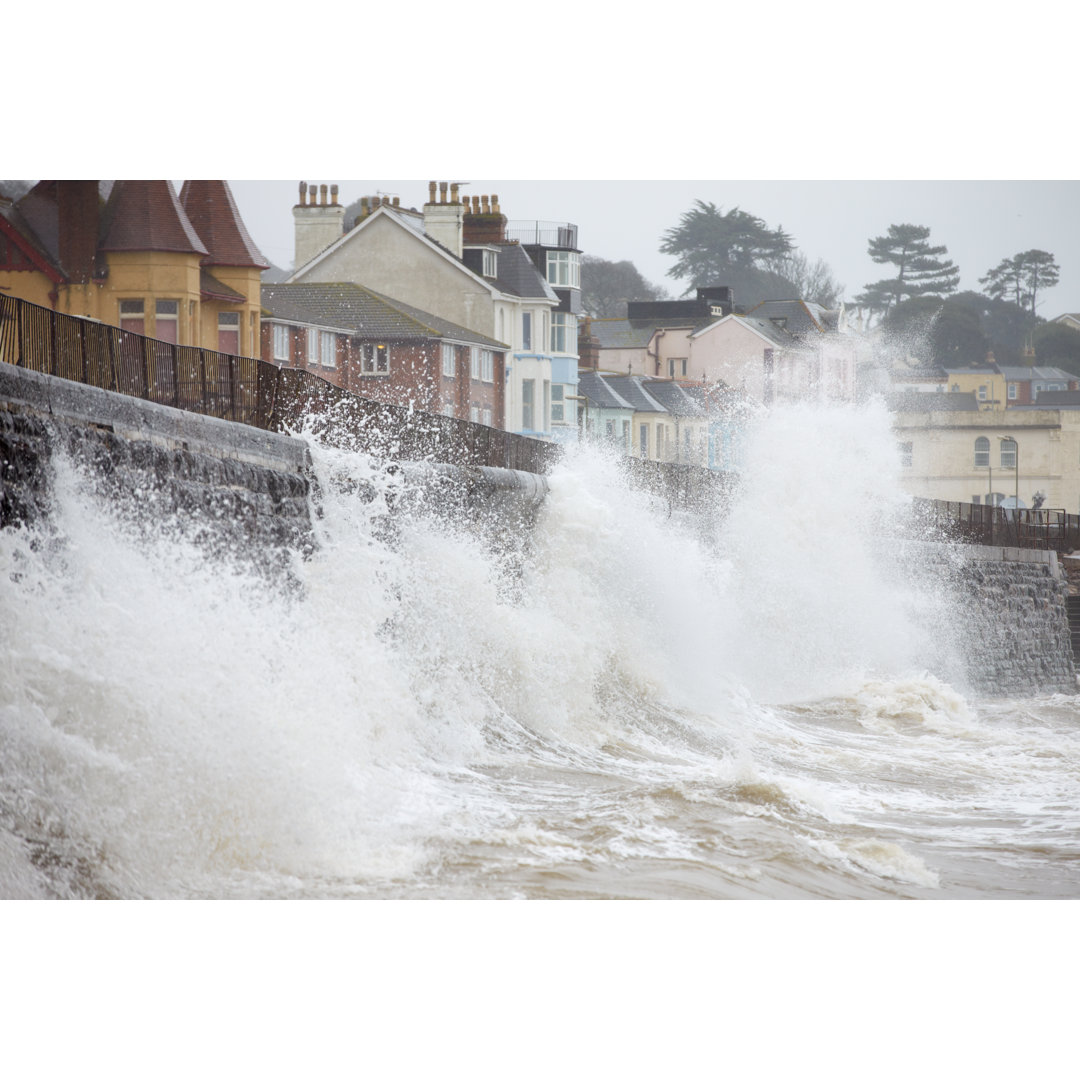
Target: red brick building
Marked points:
384	350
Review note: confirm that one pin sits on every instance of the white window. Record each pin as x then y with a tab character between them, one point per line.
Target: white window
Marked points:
905	454
982	453
281	342
557	407
1012	391
328	349
312	346
448	409
528	394
487	365
474	414
564	269
1008	454
374	359
474	362
563	332
643	440
448	360
131	316
167	320
228	332
526	330
486	416
982	393
490	263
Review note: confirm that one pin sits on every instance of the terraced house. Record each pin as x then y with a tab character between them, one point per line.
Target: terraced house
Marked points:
382	349
461	260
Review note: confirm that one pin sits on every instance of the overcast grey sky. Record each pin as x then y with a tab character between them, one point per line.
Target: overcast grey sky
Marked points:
980	222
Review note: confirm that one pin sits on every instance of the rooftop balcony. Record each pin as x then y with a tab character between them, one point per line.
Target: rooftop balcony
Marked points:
553	234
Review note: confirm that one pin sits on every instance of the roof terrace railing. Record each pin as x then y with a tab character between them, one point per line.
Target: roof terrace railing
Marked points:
554	234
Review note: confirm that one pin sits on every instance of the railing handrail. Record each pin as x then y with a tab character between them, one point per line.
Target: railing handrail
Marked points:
247	390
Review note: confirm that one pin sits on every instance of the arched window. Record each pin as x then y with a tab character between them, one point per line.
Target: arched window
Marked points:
982	452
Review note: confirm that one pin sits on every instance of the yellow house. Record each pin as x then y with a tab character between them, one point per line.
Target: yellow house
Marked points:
133	254
984	380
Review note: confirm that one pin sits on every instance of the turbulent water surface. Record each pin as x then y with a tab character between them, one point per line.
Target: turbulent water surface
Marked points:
621	703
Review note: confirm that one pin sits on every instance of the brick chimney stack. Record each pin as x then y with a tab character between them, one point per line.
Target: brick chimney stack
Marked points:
484	222
317	225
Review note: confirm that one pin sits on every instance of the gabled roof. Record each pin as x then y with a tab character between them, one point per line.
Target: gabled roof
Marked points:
211	209
764	328
361	312
676	398
635	333
800	316
600	392
381	213
21	236
145	215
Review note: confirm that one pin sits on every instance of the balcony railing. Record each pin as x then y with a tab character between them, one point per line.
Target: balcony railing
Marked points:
553	234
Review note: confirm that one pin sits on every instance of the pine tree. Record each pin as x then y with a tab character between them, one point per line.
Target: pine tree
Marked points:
1020	278
920	270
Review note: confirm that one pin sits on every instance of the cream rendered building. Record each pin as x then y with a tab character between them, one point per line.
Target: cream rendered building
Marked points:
970	456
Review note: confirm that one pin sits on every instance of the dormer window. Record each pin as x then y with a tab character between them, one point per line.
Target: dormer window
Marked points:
779	321
491	263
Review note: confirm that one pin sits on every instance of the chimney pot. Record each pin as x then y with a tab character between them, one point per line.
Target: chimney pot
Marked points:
397	200
431	191
303	192
322	195
454	193
484	201
442	191
333	194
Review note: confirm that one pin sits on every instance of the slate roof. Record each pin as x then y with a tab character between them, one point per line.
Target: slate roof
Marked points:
910	401
212	289
1029	374
362	312
676	398
146	215
211	209
601	394
517	274
1057	399
636	333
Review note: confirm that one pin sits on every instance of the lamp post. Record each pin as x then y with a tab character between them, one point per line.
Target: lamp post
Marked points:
1016	467
1002	439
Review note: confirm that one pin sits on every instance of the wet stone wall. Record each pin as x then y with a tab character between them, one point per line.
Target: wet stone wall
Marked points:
1013	632
238	491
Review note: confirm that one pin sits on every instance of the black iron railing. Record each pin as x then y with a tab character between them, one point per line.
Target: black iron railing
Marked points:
997	526
250	391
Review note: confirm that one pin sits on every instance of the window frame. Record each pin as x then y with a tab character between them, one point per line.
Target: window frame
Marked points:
374	359
982	452
449	360
281	341
563	269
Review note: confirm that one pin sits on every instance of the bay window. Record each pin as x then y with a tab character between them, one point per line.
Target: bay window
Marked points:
564	269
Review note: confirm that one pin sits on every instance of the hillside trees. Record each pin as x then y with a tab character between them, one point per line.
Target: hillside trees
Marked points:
920	268
735	248
607	285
